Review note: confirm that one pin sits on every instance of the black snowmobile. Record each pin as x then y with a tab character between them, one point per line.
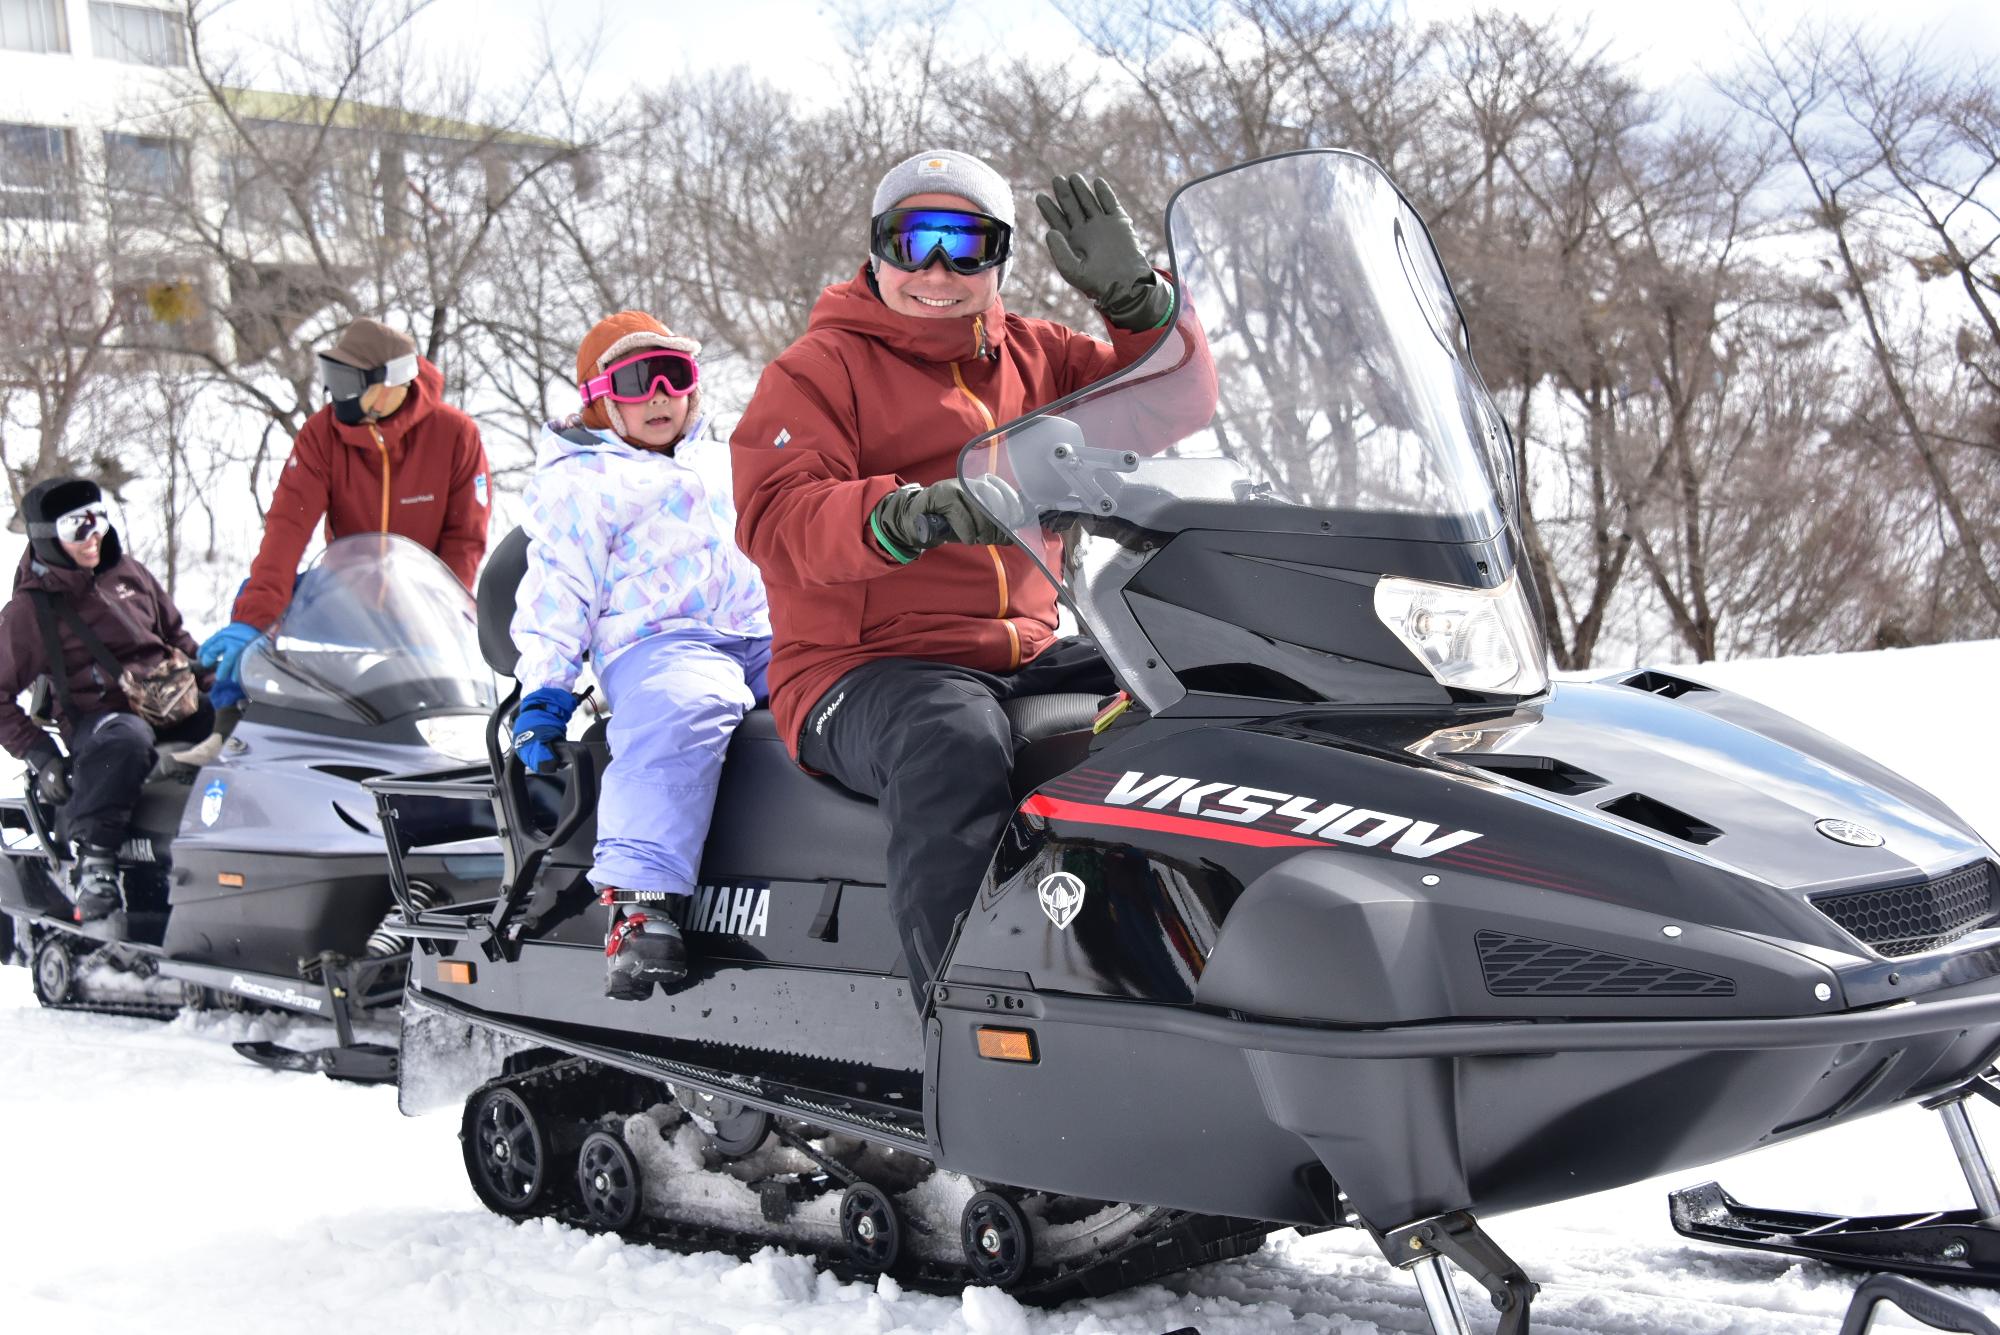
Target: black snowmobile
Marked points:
254	877
1341	915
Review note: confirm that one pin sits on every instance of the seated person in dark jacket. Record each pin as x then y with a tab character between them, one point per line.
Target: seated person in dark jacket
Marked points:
75	566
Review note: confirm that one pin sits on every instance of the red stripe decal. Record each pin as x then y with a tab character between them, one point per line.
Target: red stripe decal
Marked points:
1089	813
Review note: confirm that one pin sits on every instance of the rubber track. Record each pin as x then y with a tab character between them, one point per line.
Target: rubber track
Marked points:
131	1010
1178	1240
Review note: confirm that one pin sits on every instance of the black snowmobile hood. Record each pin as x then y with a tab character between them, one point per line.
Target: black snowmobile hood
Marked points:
1720	777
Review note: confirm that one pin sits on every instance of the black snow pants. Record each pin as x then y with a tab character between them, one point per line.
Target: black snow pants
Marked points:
930	742
110	756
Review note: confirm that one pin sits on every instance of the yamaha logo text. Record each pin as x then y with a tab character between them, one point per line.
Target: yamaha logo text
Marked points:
733	910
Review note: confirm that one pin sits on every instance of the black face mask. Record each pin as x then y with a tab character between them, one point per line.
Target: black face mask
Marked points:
348	412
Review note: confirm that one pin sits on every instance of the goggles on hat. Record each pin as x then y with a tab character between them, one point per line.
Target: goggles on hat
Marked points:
351	382
911	239
635	379
77	525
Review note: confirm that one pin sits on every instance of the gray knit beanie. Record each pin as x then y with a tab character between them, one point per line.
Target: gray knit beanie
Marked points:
942	171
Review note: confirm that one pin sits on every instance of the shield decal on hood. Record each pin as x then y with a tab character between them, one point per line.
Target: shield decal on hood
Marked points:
1062	898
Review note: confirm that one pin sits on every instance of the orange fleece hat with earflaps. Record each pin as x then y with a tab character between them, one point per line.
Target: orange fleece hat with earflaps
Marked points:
616	337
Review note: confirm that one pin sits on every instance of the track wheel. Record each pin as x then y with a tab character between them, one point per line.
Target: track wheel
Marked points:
607	1181
55	972
868	1225
998	1244
506	1149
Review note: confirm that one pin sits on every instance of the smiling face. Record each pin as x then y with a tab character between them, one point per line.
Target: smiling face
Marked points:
652	425
937	293
87	553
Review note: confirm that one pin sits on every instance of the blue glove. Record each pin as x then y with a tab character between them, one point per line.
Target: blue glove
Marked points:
222	651
539	723
225	692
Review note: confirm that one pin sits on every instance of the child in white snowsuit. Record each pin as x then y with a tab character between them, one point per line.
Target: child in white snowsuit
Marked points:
633	561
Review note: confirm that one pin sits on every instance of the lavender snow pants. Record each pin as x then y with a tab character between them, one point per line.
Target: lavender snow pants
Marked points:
675	699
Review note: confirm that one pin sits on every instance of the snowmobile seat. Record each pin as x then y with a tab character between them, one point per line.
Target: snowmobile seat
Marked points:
506	567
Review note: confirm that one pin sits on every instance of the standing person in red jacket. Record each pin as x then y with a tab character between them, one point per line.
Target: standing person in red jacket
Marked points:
902	612
386	454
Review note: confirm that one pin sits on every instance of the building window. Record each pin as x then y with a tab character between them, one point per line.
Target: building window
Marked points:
32	25
136	34
146	165
35	180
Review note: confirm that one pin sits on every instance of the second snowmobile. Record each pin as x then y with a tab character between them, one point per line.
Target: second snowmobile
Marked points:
255	879
1340	914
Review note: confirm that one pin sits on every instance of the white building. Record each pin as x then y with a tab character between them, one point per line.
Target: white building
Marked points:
71	72
104	126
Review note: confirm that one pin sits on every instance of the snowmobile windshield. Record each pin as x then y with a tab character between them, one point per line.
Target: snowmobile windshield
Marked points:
378	629
1316	382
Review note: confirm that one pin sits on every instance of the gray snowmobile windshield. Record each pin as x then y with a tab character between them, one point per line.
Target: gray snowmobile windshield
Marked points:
1316	379
378	629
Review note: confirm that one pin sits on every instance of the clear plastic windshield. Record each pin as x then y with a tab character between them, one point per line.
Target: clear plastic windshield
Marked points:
377	629
1317	380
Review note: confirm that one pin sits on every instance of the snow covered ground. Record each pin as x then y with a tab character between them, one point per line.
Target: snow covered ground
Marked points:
152	1181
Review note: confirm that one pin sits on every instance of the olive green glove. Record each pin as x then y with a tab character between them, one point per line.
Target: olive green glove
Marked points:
1091	239
911	520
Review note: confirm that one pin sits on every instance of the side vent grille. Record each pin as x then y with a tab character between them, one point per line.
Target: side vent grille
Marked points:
1659	683
1900	920
1657	815
1554	776
1520	966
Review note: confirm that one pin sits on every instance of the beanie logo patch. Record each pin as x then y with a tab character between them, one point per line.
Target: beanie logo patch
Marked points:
934	167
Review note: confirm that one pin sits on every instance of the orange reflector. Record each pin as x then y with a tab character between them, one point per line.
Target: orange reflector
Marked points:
1006	1045
454	971
229	878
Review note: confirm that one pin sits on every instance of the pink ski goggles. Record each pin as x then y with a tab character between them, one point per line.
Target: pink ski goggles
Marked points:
635	379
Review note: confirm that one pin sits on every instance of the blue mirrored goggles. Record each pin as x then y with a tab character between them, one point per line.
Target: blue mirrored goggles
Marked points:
913	239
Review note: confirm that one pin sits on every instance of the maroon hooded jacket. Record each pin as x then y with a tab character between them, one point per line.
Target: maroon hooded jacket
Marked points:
420	472
121	602
866	401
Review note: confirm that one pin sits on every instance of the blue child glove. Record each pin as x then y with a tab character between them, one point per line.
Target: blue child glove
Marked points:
539	723
224	649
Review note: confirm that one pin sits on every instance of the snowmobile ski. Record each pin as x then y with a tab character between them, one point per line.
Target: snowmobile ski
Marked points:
362	1063
1957	1246
1927	1305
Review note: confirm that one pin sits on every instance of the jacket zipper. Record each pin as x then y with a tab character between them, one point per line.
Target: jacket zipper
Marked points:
383	446
999	566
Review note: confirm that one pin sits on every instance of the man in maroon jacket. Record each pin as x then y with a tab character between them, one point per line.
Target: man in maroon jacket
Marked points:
385	455
902	612
76	565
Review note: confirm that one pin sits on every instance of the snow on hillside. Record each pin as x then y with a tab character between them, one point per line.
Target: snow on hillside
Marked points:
153	1181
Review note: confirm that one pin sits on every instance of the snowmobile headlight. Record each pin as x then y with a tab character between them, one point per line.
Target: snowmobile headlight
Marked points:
460	736
1474	639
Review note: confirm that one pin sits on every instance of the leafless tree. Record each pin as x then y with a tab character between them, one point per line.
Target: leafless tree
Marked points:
1894	148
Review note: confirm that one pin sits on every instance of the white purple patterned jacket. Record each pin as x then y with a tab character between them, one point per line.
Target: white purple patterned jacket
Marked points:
625	545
